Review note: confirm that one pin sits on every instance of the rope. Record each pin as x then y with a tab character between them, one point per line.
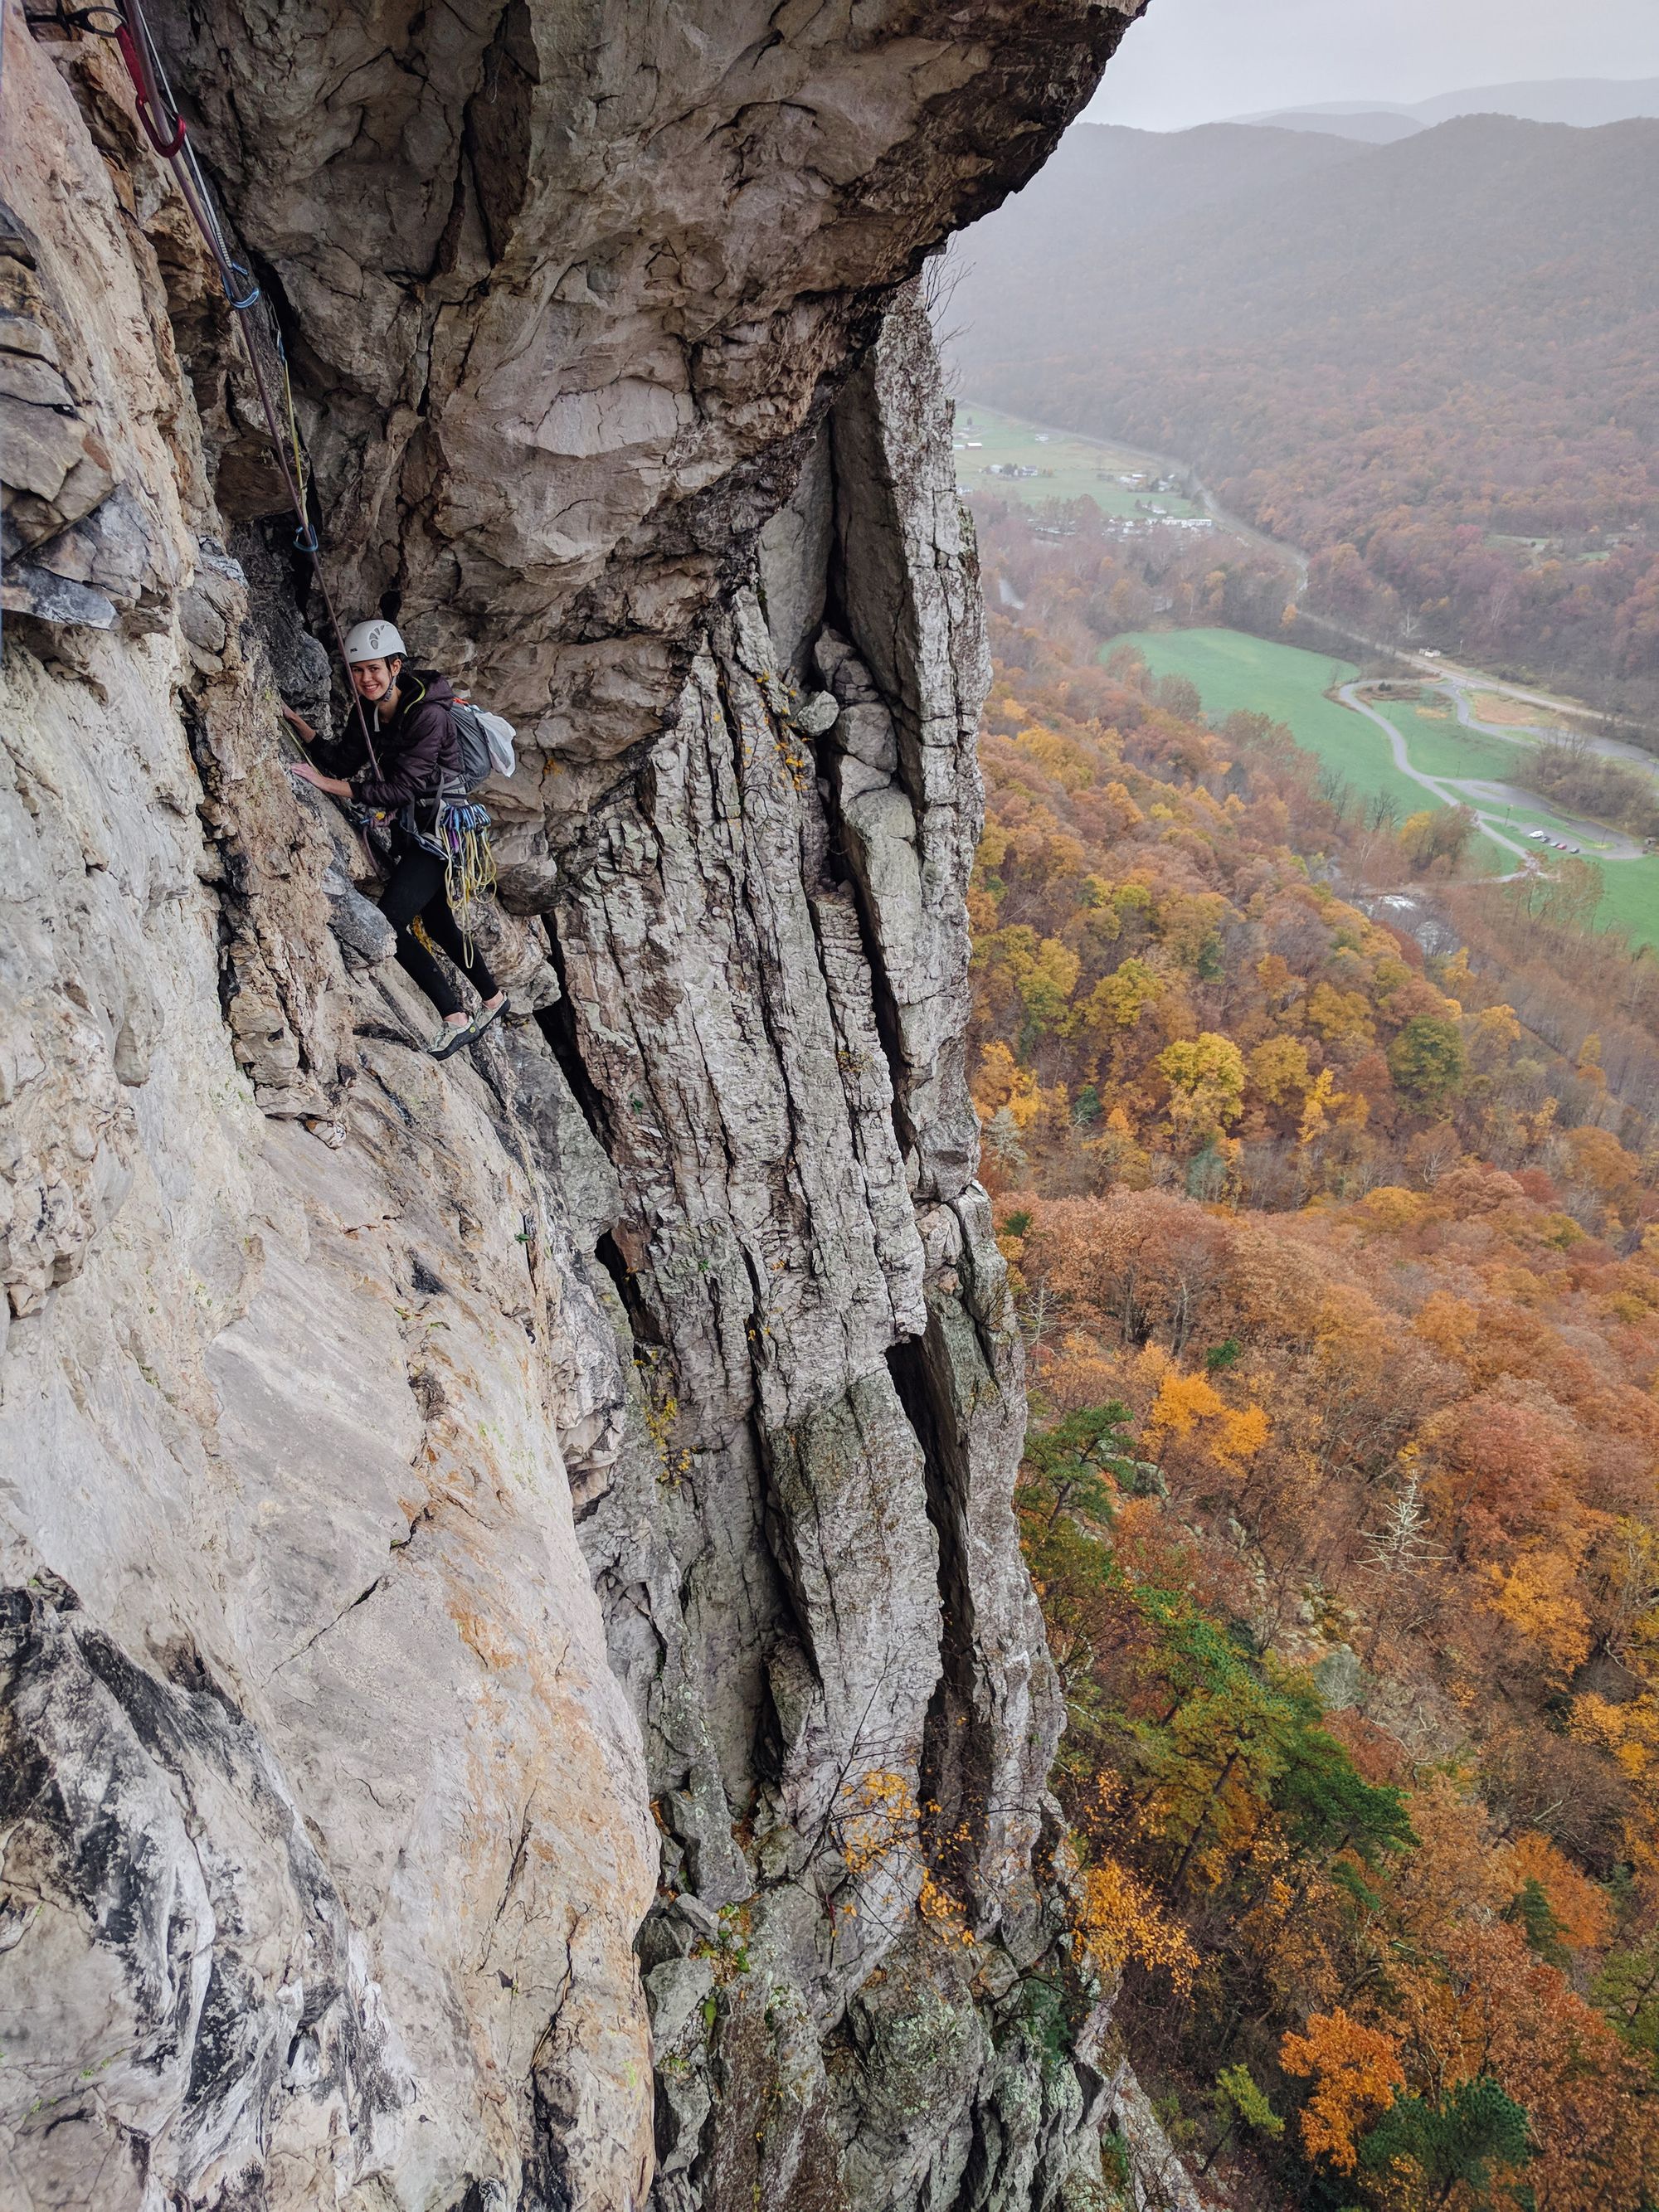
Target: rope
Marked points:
295	447
469	861
262	337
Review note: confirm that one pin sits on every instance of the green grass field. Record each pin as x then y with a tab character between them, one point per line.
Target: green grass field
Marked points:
1081	467
1631	902
1233	671
1440	746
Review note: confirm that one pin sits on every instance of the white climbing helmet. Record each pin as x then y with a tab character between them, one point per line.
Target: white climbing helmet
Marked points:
373	640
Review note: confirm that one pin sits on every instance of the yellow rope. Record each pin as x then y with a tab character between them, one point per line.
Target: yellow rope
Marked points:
469	874
300	474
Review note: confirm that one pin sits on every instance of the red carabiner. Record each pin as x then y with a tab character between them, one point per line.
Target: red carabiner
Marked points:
134	60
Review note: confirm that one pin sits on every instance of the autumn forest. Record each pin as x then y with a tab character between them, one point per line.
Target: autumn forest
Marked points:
1334	1228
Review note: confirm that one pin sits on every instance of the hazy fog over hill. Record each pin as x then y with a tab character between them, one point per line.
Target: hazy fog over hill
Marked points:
1407	358
1376	126
1105	185
1585	102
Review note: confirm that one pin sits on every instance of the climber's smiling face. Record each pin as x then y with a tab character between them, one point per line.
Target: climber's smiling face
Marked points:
376	680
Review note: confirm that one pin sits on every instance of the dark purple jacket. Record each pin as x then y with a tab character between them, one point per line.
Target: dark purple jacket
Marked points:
417	748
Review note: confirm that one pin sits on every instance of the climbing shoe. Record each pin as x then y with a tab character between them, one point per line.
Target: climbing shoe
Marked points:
450	1039
481	1020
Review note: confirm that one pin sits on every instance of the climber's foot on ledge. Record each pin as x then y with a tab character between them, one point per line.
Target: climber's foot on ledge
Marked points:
455	1032
459	1030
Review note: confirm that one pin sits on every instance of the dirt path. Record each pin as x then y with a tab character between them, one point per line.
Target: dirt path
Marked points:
1458	685
1474	679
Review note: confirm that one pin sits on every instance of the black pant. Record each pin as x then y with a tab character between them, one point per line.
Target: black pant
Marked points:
417	889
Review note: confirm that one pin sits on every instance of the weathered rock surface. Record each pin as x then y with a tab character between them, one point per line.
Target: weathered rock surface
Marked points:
506	1559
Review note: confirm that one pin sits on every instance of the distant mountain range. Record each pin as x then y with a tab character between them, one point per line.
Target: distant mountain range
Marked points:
1434	364
1376	126
1585	102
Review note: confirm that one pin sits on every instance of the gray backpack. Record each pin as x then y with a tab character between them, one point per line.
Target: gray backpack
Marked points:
484	742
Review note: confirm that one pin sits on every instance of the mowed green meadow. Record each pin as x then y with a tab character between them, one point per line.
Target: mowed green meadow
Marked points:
1232	670
1076	467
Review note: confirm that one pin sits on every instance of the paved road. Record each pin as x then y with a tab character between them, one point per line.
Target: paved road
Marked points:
1436	664
1457	687
1444	789
1605	843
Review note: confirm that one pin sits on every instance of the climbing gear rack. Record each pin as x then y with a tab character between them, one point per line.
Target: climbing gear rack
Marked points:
469	860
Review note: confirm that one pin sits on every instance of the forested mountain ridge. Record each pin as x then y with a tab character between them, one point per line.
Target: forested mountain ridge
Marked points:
1106	182
1455	416
1584	102
1341	1287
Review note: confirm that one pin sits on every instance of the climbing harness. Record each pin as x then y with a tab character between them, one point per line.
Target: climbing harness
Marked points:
262	337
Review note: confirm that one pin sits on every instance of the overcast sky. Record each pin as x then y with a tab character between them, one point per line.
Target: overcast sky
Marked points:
1199	61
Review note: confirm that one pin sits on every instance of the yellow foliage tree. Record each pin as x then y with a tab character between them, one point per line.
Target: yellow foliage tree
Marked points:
1118	1919
1185	1400
1278	1069
1206	1076
1355	2071
1339	1015
1324	1099
1182	1401
1046	982
1129	815
1118	1000
1002	1082
1534	1593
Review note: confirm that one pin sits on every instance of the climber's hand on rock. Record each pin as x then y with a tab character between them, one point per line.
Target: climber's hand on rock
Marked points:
307	735
307	773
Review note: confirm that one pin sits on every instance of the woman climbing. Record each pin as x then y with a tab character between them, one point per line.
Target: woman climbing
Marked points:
419	765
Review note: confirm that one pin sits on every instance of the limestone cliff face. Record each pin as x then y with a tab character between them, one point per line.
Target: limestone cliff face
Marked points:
517	1683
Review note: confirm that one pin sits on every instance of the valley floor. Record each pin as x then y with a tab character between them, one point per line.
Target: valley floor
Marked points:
1461	741
1434	748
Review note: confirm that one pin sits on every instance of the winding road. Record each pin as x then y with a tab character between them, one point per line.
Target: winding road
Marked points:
1444	789
1478	794
1453	681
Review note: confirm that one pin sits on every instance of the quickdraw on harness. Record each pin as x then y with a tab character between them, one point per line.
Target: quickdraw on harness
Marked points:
262	337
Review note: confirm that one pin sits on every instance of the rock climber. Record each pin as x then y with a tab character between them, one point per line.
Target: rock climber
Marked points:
419	756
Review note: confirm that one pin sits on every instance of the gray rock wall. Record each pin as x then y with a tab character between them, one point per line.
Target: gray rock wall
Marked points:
517	1683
